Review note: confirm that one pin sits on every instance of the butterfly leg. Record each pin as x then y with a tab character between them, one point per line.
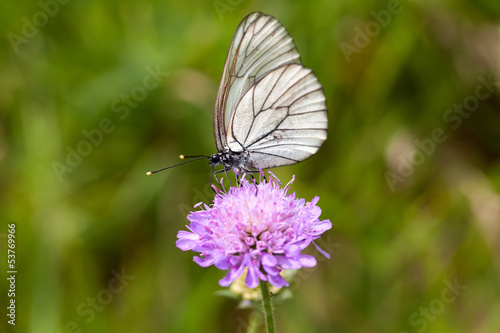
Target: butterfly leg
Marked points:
219	183
230	184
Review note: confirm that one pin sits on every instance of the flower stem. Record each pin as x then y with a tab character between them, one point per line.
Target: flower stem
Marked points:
268	308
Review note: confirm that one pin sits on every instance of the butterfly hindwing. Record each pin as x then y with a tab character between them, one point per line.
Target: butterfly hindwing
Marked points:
280	120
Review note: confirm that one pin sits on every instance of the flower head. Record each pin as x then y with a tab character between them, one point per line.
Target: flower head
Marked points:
255	226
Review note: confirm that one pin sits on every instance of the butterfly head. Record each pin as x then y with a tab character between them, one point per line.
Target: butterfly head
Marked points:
215	159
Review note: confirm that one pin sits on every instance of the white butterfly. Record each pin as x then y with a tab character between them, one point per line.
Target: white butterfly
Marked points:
270	110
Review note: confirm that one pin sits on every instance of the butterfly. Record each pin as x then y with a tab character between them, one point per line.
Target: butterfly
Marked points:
270	110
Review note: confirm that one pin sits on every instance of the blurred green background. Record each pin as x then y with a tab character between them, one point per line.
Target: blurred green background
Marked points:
409	175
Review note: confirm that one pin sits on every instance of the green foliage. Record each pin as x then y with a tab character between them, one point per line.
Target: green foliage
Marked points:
409	177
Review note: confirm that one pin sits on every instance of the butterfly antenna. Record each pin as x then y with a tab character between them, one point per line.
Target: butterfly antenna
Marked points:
195	158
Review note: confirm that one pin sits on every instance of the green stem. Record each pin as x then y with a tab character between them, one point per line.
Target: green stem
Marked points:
268	307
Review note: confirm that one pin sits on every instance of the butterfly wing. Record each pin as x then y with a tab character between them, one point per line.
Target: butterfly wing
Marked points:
281	120
260	44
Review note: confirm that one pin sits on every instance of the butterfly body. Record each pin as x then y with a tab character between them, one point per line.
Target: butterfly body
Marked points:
231	160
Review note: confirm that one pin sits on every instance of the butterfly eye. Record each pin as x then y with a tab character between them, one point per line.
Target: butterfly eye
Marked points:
214	159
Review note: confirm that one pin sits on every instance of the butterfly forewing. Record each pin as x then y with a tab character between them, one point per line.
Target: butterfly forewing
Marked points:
260	45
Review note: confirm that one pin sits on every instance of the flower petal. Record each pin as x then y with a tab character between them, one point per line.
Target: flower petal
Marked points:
252	281
269	260
288	263
222	263
323	252
307	260
198	228
204	261
232	275
187	240
278	281
271	270
320	226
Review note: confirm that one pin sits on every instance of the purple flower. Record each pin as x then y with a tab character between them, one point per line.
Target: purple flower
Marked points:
255	226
